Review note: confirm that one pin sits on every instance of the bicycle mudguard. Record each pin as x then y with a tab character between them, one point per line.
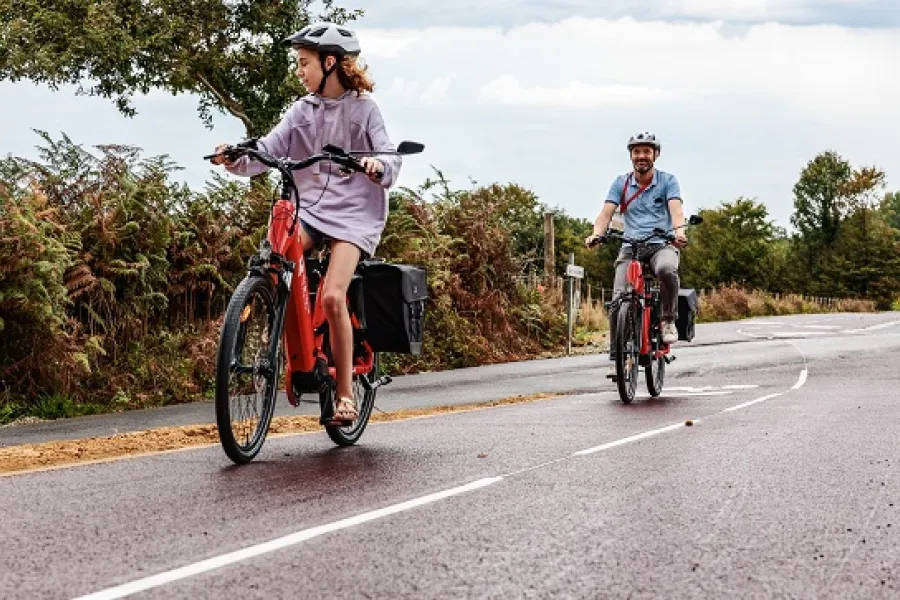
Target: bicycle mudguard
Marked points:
635	276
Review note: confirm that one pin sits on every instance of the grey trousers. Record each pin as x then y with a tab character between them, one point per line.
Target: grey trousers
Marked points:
664	261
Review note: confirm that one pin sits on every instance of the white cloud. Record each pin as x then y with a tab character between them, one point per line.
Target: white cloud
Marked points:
822	70
755	10
386	44
739	114
550	105
436	92
508	90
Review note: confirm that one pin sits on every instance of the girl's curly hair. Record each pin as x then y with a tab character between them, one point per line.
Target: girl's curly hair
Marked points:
354	75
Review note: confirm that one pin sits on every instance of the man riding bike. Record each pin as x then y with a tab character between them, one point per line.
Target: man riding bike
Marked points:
648	199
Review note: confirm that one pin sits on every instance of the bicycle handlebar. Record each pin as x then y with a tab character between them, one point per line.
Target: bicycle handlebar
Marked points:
330	152
668	236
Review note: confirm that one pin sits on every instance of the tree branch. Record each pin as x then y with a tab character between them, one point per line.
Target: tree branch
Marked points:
228	104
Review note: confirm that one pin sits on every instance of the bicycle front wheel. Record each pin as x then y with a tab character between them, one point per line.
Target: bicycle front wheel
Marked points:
628	349
248	369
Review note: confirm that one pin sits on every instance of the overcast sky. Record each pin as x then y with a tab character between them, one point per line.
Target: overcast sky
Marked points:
545	94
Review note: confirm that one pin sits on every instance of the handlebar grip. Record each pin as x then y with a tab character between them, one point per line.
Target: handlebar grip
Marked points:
598	239
230	153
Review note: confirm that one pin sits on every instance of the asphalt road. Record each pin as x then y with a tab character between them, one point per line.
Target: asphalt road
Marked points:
786	486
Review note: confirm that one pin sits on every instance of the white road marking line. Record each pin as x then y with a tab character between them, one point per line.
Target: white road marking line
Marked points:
690	389
279	543
711	393
628	439
801	380
752	402
781	334
822	326
709	388
753	335
873	327
303	535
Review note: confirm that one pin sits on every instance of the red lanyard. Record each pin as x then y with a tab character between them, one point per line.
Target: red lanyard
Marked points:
623	203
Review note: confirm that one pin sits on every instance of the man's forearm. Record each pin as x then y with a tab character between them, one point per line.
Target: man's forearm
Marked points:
676	209
601	223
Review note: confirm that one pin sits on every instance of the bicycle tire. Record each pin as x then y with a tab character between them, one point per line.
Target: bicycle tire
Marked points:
655	380
627	330
231	343
348	436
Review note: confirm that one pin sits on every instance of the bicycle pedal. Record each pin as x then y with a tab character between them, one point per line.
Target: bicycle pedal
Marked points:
668	358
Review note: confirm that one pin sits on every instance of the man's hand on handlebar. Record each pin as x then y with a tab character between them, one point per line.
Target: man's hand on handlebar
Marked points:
594	240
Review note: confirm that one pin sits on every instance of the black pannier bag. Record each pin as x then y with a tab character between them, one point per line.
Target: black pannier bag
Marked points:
688	305
394	299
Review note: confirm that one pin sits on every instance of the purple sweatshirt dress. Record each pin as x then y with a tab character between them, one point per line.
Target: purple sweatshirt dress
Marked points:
352	209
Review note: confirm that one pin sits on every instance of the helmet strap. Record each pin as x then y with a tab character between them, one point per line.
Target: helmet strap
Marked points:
325	72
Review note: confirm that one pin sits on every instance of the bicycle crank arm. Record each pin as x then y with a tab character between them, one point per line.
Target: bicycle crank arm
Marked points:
370	387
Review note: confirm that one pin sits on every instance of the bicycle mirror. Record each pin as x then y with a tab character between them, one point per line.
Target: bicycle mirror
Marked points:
407	147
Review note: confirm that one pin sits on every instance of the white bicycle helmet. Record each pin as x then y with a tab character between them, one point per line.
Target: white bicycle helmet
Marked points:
645	138
325	38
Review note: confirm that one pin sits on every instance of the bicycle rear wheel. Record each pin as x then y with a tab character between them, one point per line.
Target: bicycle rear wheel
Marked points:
628	348
248	368
655	373
365	402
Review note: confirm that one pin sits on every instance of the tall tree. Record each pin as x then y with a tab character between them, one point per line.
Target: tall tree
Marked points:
864	261
732	246
226	52
819	198
829	189
890	210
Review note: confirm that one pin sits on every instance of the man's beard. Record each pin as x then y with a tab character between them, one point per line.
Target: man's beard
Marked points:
643	166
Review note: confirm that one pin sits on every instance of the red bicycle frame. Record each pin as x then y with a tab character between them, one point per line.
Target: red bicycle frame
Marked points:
302	345
635	277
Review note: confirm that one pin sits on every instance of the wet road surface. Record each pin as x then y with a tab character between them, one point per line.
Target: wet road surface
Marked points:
786	485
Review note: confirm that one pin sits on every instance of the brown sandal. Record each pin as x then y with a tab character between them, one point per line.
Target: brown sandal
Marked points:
345	412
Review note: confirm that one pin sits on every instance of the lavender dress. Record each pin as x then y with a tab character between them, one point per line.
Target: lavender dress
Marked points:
352	209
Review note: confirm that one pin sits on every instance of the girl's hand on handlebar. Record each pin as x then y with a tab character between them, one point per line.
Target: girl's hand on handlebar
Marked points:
374	168
220	157
680	240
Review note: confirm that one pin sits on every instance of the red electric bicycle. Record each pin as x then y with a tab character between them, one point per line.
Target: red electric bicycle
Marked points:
275	319
638	337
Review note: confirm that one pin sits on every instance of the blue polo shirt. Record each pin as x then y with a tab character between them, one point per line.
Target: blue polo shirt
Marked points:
649	210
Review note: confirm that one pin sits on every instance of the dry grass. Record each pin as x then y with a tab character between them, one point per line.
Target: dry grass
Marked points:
730	303
36	457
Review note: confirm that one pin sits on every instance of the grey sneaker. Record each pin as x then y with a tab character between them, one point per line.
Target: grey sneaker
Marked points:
611	372
669	333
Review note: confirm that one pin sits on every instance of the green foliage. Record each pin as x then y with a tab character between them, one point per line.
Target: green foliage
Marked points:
227	53
864	262
890	210
113	279
479	311
101	253
820	199
735	244
829	189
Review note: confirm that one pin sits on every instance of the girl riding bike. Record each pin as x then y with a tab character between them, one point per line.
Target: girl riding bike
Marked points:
348	213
